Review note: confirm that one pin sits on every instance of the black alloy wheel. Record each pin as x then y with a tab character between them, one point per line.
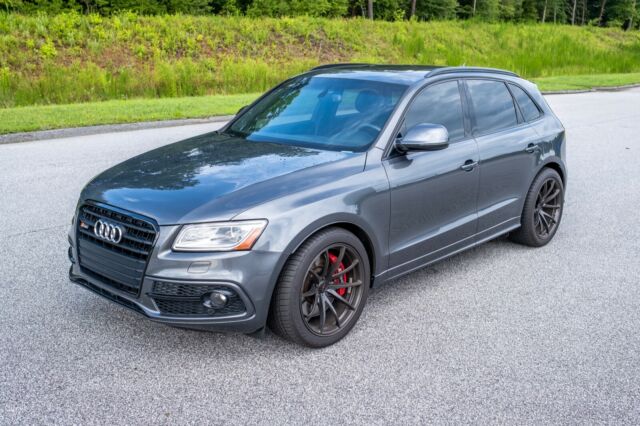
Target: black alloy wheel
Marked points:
332	289
542	210
547	209
322	289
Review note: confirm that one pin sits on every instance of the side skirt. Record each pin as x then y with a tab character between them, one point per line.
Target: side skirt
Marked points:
477	239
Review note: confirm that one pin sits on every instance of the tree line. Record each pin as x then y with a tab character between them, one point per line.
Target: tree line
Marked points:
613	13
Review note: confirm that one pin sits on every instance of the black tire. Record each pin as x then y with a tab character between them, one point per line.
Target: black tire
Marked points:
539	223
299	277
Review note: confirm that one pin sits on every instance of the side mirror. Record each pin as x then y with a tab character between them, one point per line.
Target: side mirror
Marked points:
424	137
241	110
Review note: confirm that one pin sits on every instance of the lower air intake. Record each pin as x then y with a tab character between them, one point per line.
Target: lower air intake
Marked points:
179	299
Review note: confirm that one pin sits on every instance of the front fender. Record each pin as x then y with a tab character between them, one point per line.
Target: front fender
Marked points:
360	201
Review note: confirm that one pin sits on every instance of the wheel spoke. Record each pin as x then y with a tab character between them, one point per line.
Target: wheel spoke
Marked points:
543	192
311	309
345	285
544	222
551	206
327	263
347	269
341	299
548	188
537	223
315	275
552	196
333	310
323	312
309	293
547	215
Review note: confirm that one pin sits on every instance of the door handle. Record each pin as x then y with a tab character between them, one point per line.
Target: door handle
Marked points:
531	148
469	165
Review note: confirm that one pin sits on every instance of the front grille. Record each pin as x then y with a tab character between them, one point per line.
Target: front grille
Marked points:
179	299
120	265
108	295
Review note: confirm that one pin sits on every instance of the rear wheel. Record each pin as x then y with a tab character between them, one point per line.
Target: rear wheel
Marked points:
322	289
542	210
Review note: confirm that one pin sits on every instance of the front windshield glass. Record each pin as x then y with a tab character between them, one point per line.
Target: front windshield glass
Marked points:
331	113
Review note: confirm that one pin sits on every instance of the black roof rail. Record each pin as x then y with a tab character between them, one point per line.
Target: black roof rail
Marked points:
433	70
389	67
452	70
338	65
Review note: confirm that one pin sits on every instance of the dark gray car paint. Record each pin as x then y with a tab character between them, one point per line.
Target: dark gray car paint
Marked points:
409	210
216	176
433	201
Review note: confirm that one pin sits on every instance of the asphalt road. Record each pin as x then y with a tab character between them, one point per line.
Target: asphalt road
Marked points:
501	333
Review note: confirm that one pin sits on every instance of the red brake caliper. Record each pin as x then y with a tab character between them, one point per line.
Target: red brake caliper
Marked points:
342	279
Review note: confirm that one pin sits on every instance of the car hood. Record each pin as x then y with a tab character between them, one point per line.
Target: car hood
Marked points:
211	177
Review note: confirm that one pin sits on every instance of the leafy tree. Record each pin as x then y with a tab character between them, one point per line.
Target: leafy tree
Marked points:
328	8
622	13
488	10
616	13
436	9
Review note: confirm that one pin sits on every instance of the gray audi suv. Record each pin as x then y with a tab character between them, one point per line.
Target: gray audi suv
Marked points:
334	181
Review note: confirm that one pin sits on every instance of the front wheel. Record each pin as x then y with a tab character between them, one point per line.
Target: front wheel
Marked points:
322	289
542	210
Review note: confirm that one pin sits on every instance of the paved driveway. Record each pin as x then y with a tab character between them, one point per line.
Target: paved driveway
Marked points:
501	333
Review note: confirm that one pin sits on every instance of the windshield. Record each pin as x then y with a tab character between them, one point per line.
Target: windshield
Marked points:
331	113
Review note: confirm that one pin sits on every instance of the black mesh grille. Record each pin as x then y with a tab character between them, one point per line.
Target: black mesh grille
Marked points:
180	299
196	308
119	265
113	297
185	290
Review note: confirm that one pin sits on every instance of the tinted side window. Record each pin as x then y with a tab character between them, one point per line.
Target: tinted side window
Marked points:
438	104
492	105
529	109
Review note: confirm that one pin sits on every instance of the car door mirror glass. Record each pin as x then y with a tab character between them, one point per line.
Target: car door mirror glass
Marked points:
423	137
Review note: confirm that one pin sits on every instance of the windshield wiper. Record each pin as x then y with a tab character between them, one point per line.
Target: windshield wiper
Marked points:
236	133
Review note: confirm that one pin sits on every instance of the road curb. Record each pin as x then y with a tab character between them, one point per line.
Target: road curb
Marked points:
593	89
106	128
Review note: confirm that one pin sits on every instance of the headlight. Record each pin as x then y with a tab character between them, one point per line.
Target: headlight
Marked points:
221	236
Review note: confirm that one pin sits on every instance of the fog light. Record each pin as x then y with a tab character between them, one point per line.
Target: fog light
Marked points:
216	300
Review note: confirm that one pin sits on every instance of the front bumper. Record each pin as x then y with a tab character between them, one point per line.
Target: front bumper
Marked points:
249	275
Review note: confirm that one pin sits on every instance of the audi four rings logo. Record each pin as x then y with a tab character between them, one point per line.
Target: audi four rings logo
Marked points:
108	231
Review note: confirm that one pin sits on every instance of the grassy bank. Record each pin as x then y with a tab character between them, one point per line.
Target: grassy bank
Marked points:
588	81
74	58
44	117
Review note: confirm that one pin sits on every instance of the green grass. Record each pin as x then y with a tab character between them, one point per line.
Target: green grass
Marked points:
22	119
31	118
578	82
71	58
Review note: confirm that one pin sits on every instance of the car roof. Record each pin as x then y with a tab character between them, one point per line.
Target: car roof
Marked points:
402	74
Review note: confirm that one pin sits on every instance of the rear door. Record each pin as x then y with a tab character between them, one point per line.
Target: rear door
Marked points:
507	148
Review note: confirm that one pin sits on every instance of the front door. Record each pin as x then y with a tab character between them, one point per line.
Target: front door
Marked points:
433	193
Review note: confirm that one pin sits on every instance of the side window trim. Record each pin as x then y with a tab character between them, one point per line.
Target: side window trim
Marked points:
466	110
519	112
469	106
